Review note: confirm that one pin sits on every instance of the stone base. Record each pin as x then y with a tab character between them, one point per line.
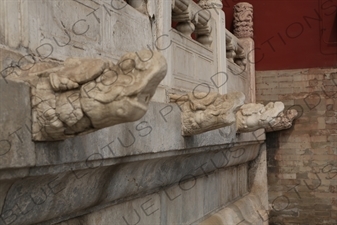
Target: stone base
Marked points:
141	164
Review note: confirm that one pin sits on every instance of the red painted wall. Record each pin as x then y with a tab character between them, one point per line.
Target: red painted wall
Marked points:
291	34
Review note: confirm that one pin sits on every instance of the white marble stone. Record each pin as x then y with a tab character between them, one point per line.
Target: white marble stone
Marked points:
210	4
252	208
83	95
127	173
203	112
252	116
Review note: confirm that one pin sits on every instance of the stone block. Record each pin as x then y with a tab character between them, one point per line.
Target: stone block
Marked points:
193	201
318	138
332	138
129	180
295	145
266	97
212	184
294	138
267	85
287	176
16	146
293	96
321	71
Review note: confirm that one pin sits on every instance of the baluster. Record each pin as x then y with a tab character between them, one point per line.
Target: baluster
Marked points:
192	19
185	26
230	50
240	57
182	14
204	34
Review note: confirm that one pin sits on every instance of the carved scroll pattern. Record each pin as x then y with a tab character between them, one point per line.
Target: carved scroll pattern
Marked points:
243	20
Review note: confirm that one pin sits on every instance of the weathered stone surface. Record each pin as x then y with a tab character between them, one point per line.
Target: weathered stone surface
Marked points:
112	144
203	112
210	4
89	165
16	148
244	211
84	95
62	29
243	20
251	117
140	5
85	174
187	201
77	192
282	121
253	208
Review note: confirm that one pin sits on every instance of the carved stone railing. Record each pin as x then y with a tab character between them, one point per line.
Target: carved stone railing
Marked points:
243	28
240	52
192	18
235	53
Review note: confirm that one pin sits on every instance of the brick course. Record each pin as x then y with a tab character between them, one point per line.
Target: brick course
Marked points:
302	161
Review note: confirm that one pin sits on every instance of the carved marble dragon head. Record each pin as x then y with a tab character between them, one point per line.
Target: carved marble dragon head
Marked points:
203	112
252	116
82	95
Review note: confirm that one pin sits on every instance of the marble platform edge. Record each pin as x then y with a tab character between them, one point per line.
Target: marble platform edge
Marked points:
46	197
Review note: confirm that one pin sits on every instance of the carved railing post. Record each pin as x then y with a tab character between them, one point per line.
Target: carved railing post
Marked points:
243	20
243	30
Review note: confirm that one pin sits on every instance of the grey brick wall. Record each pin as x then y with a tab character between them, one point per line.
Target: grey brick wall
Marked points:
302	161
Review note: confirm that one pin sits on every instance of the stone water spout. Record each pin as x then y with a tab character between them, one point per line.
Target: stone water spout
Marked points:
82	95
203	112
271	117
